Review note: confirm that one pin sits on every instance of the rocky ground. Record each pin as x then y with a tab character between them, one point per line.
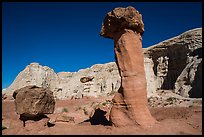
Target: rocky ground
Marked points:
78	117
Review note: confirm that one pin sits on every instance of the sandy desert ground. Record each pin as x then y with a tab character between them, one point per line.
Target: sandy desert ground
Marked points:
171	121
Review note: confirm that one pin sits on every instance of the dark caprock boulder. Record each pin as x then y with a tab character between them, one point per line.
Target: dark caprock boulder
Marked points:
31	102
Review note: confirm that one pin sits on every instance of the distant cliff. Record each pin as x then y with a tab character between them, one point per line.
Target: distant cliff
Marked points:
106	80
174	64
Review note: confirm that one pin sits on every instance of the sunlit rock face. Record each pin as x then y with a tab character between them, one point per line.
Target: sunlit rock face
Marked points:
176	64
67	85
33	74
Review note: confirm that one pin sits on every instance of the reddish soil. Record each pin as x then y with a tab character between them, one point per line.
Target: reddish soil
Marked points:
171	120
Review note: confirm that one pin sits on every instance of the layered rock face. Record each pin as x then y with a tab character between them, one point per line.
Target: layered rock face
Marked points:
180	70
176	64
32	101
98	80
33	74
125	26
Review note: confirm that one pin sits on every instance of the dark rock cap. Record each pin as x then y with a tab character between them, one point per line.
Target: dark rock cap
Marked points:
120	19
31	101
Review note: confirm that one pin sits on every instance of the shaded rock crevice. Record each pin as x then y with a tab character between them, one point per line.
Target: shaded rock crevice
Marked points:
99	118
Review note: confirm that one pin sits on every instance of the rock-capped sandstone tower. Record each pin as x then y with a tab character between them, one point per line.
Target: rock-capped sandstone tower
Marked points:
125	26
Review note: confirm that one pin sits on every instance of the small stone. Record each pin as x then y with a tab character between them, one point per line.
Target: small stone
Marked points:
86	79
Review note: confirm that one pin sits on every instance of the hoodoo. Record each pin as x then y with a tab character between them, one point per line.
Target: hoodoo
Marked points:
126	27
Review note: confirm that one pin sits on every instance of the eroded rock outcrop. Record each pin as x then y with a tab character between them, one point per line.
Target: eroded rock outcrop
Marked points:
177	64
130	107
68	84
33	74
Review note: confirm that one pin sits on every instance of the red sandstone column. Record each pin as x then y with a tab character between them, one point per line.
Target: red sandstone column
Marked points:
130	107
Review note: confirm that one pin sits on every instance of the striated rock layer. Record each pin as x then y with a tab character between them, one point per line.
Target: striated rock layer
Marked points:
67	85
174	64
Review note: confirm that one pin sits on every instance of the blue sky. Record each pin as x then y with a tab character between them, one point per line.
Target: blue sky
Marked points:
65	35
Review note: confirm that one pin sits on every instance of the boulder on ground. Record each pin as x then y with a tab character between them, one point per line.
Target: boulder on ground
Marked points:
32	101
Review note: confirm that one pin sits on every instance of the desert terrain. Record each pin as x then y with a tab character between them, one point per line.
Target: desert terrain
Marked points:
151	91
171	120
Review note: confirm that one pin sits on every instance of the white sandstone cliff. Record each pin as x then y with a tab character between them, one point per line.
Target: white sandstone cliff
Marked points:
177	64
